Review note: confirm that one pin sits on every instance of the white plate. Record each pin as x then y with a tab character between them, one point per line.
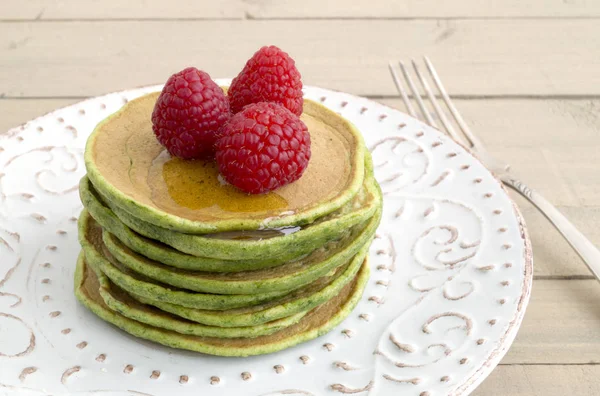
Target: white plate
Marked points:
452	272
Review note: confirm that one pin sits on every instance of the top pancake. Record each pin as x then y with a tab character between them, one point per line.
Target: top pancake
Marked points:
128	166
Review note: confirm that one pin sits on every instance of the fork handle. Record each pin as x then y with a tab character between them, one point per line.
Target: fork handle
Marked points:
586	249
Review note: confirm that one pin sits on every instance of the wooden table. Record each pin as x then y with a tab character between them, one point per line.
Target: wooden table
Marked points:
526	75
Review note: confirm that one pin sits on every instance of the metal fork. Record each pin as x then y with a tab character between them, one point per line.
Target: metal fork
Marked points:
588	252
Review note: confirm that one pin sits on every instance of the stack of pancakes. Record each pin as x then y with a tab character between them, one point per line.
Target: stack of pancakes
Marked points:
171	253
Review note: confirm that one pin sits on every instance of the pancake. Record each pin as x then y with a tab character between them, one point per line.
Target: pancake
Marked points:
287	276
282	248
90	238
133	171
315	323
301	300
119	301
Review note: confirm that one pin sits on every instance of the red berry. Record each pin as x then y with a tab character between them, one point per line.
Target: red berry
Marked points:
189	113
262	148
269	76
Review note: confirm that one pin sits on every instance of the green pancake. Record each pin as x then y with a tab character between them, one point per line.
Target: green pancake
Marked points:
315	323
282	248
301	300
133	172
287	276
90	238
119	301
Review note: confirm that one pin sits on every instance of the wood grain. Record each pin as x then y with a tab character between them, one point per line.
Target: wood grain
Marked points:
89	58
139	9
18	111
553	256
117	9
422	9
559	380
529	123
561	325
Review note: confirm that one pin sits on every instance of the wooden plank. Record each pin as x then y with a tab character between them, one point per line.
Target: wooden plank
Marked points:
138	9
553	256
540	169
557	380
15	112
566	176
422	8
118	9
583	172
562	325
528	123
474	57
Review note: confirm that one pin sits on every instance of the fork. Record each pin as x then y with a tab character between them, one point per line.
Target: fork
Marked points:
586	250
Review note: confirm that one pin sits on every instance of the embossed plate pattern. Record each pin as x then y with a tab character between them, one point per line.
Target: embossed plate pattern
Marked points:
452	272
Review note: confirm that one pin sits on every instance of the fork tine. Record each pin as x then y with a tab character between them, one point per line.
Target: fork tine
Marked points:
417	96
459	120
436	106
402	91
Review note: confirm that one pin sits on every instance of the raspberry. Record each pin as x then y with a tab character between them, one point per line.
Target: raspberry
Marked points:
269	76
262	148
189	113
